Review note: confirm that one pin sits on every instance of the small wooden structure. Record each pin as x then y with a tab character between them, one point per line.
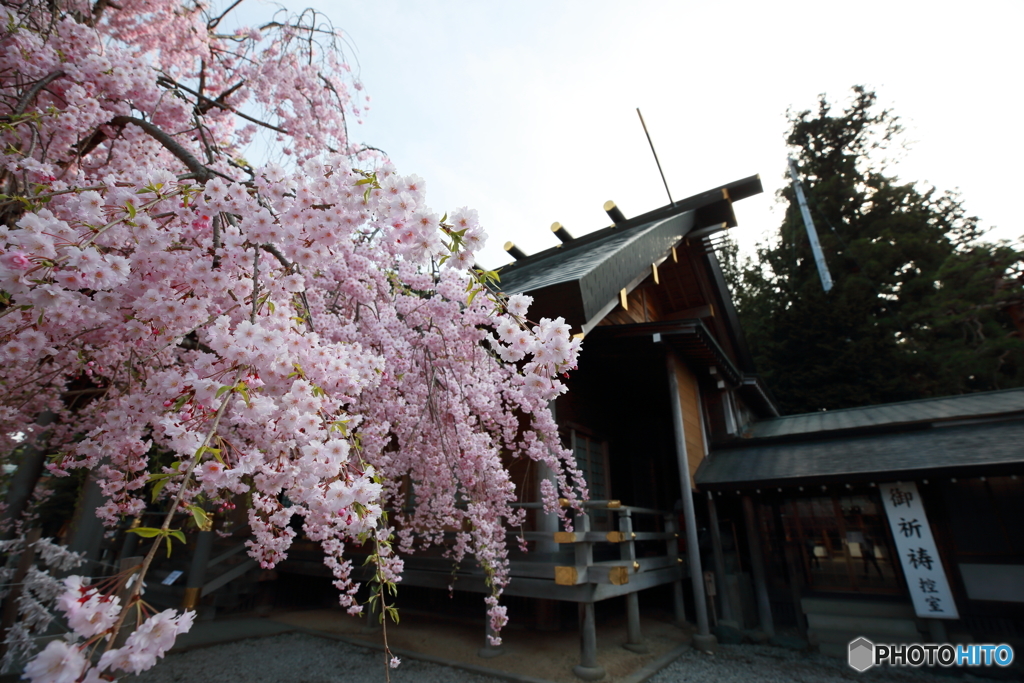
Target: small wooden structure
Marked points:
663	372
897	522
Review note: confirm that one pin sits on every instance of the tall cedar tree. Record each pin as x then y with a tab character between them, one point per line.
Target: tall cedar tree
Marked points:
920	307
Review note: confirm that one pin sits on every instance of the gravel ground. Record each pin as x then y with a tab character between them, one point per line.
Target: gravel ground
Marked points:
764	664
301	658
294	658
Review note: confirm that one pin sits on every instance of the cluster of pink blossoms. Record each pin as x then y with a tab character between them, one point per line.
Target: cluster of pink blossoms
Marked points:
311	336
64	661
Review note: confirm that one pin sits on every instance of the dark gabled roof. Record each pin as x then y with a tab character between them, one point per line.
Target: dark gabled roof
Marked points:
968	432
875	458
579	280
889	415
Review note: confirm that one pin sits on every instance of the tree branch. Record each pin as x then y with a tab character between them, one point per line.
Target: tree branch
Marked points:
216	241
212	23
202	173
31	93
208	103
277	254
220	102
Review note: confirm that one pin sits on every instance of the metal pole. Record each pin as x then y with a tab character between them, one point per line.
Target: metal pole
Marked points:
702	640
764	608
812	234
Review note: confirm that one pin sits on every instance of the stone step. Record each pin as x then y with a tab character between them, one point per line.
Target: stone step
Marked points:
844	638
858	608
836	650
869	627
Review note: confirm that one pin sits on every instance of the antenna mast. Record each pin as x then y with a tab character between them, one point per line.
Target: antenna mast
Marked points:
670	200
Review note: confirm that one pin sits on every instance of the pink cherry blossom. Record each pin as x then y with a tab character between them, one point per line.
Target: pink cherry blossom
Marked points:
59	662
309	335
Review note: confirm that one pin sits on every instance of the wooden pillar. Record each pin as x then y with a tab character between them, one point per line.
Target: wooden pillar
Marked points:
197	572
702	640
627	551
725	601
547	615
583	551
23	483
792	552
546	522
373	621
677	586
764	608
131	540
85	533
488	650
588	668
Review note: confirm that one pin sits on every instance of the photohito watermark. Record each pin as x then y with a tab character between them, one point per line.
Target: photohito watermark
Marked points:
863	654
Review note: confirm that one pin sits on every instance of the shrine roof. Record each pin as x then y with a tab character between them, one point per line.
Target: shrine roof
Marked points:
973	433
580	279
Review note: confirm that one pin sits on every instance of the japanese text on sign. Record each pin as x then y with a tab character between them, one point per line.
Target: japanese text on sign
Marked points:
919	557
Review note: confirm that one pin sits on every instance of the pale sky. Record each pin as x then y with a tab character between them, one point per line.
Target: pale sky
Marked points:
526	111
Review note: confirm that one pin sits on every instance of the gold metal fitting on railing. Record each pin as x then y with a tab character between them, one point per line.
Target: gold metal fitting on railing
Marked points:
614	504
191	598
563	502
636	566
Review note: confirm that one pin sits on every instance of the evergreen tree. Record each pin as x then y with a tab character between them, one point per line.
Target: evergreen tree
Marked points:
920	307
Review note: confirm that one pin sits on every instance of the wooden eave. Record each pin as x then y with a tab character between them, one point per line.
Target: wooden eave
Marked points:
581	280
690	338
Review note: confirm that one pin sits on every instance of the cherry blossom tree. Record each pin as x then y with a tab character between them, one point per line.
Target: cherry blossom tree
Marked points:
308	335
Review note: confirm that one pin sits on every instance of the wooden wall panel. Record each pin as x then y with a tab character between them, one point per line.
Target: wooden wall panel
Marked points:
689	398
643	306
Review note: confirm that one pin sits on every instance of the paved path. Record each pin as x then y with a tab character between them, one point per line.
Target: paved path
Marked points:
269	655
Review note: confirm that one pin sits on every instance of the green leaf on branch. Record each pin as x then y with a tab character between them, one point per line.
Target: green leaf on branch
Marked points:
200	517
147	531
213	451
159	482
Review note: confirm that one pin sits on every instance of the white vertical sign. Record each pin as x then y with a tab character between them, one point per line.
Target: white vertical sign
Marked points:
918	554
